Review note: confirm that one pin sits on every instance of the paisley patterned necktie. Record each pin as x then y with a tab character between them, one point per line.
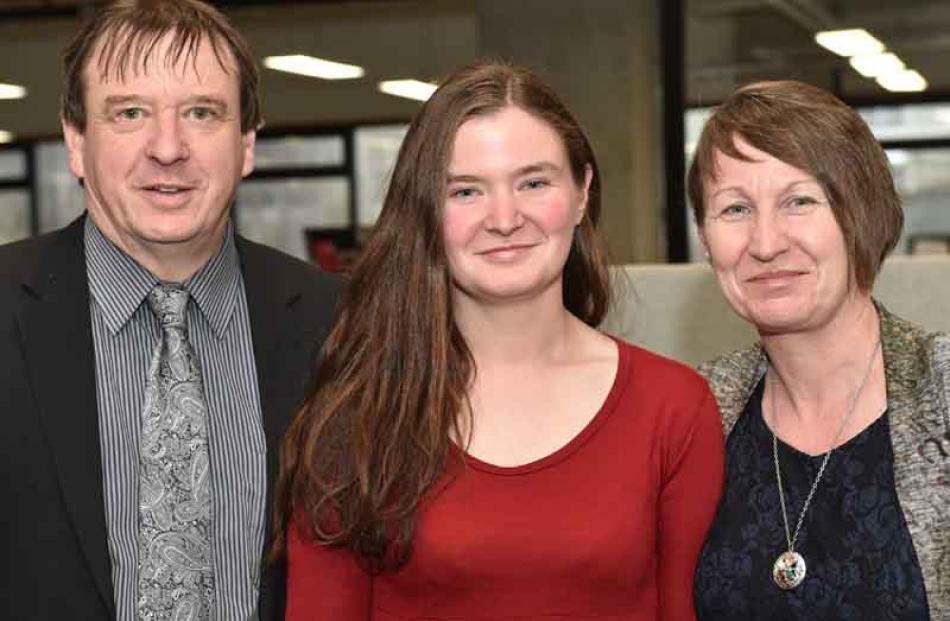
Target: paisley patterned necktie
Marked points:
175	578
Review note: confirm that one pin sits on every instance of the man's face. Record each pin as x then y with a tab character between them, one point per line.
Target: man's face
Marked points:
162	153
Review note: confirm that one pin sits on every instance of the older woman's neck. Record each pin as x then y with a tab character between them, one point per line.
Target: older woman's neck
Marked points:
818	365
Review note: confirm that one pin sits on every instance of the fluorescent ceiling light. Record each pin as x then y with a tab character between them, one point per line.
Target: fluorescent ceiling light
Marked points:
852	42
905	81
875	65
313	67
5	136
12	91
410	89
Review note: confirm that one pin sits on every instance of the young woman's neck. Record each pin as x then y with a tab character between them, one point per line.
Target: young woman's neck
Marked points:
513	331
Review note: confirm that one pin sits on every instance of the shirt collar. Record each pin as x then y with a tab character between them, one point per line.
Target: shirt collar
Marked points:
119	284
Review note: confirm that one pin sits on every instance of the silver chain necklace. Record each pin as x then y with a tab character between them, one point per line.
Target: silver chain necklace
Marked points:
789	569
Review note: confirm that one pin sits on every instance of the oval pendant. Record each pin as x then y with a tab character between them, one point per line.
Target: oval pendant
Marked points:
788	570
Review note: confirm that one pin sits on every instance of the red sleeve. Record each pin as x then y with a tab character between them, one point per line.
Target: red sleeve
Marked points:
324	583
693	475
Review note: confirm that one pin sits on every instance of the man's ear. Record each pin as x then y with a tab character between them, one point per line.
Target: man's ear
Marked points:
75	147
248	141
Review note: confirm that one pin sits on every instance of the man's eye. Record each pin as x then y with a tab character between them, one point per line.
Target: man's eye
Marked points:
202	114
130	114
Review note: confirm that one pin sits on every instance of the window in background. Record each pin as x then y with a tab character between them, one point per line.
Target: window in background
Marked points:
922	177
281	212
375	149
59	197
300	152
13	164
924	121
16	218
299	198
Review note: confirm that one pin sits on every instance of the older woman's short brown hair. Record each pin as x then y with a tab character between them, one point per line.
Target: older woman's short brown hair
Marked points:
812	130
124	35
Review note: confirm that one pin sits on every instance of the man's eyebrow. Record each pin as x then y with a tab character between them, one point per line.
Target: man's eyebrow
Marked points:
118	100
208	100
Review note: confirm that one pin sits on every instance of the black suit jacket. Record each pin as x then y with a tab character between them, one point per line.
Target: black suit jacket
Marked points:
54	558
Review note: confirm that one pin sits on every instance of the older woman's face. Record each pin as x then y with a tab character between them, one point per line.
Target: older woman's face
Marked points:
774	243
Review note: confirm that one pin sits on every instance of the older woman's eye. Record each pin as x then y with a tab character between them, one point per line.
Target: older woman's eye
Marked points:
801	204
733	212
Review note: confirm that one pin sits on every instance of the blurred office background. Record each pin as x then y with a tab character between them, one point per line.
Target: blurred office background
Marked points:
640	75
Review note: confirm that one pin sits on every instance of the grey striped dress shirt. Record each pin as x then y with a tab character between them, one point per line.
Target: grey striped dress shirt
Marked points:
124	332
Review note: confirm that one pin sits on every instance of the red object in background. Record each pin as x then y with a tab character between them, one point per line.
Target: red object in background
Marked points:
324	253
332	249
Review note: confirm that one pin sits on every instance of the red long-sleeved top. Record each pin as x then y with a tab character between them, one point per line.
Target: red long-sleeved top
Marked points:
607	527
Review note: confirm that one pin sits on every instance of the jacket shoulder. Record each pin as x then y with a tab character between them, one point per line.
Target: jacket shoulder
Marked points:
33	260
732	377
262	259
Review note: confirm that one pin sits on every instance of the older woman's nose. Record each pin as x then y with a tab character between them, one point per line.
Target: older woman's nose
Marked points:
769	237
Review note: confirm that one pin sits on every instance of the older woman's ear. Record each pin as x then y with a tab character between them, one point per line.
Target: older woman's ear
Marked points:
702	239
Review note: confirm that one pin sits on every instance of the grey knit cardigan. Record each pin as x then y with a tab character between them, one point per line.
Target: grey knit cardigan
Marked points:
917	375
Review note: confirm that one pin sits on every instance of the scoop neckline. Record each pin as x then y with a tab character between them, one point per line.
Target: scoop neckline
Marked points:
617	388
800	454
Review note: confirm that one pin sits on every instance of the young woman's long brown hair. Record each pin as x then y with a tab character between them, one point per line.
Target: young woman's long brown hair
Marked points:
374	435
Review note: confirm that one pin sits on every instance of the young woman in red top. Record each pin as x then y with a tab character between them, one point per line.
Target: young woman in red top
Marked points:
474	448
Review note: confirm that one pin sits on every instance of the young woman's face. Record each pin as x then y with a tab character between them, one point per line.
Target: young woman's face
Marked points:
511	207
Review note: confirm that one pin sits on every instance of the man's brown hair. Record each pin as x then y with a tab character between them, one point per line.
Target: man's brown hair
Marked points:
814	131
123	36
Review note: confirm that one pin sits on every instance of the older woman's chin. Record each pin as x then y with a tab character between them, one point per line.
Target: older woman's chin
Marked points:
782	315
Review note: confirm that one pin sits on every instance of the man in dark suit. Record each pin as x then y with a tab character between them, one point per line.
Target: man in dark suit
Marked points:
122	498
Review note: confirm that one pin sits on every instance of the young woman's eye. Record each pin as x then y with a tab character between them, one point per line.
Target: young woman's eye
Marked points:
463	193
535	184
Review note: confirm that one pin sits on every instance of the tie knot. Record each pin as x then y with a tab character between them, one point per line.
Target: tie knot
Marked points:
168	301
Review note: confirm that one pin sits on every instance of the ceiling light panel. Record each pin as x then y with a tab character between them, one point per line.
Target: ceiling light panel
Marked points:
410	89
874	65
907	81
12	91
851	42
314	67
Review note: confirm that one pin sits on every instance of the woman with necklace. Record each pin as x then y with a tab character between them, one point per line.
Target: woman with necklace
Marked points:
837	496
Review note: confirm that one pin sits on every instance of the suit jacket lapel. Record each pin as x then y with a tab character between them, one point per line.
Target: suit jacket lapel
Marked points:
276	331
57	343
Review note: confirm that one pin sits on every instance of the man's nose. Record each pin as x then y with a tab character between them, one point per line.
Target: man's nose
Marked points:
168	144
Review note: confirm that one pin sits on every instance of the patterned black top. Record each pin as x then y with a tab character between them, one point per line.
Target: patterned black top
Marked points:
860	557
